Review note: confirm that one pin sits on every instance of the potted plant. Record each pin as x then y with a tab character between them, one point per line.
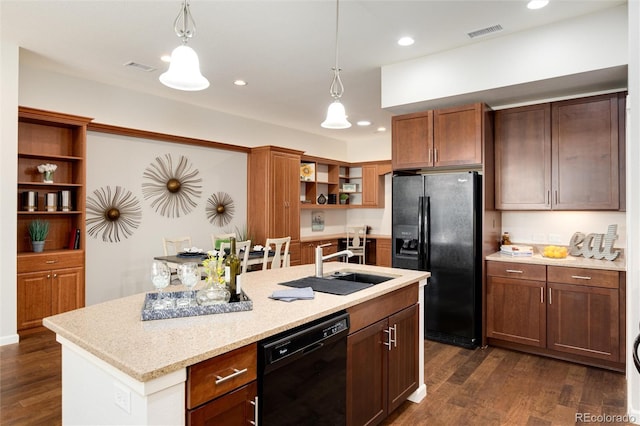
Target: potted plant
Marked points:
38	231
344	198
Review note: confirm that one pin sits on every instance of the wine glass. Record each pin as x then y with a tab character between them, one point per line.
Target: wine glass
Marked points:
160	277
189	275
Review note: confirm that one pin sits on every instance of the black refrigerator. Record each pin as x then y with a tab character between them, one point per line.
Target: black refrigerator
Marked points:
437	227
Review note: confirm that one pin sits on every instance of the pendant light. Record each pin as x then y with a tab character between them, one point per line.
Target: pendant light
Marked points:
184	69
336	116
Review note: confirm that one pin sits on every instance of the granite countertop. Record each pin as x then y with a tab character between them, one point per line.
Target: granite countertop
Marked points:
114	332
619	264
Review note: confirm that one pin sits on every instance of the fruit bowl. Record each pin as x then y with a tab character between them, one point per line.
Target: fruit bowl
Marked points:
555	252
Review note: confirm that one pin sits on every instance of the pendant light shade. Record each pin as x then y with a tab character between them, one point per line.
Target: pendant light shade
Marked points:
336	117
184	71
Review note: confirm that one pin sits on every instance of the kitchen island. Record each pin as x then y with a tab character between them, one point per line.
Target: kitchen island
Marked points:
118	369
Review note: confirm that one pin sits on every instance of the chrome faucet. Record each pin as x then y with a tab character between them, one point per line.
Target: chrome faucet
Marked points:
320	258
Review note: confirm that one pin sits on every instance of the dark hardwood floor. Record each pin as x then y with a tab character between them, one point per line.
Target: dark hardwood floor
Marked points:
489	386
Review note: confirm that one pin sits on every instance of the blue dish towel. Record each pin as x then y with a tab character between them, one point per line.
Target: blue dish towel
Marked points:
291	294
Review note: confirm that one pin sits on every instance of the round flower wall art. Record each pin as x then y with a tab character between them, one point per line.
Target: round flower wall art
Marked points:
220	209
171	190
112	213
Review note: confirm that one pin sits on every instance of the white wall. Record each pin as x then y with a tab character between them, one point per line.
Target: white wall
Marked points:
540	228
8	199
565	48
633	207
118	269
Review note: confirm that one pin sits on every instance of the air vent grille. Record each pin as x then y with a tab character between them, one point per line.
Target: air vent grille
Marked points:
485	31
141	67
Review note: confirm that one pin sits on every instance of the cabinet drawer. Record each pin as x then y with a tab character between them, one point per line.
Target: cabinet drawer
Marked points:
517	270
216	376
372	311
54	260
583	276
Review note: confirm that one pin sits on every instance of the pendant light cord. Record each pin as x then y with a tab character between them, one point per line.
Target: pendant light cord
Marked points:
182	23
336	88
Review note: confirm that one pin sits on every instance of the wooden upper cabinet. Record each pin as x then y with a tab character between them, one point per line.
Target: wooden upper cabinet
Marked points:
450	137
561	156
412	141
457	136
523	158
372	186
585	153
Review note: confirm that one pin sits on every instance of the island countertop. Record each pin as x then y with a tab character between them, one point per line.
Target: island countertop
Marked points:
114	332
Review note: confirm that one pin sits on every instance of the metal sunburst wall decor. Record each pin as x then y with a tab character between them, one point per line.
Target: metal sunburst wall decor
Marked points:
112	214
220	209
172	190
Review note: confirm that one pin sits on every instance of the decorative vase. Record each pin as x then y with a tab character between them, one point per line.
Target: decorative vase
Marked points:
213	294
48	177
38	246
322	199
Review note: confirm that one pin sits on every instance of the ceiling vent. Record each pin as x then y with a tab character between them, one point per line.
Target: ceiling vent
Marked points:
485	31
141	67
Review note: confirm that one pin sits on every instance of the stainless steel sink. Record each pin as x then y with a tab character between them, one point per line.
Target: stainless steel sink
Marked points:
360	277
340	282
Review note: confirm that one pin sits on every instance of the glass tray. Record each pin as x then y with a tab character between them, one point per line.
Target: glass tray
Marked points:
148	313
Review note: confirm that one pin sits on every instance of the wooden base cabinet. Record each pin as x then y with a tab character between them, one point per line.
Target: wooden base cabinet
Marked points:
574	313
223	390
382	358
48	284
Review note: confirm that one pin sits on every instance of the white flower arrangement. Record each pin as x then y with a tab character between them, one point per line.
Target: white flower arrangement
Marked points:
43	168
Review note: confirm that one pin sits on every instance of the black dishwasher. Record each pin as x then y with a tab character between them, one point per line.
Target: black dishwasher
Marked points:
302	374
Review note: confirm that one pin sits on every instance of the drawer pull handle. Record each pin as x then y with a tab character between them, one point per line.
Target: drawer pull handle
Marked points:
580	277
514	271
236	373
50	261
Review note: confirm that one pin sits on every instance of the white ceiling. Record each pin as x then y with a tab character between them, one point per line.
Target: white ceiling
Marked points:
284	49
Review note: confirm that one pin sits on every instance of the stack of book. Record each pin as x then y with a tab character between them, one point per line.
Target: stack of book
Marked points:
516	250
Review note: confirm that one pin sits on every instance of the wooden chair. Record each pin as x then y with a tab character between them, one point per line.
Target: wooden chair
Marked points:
216	240
173	246
356	241
281	257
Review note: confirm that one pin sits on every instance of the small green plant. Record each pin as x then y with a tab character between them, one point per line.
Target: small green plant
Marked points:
38	230
344	197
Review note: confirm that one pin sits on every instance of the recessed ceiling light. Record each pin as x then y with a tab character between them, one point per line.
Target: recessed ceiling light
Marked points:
381	129
537	4
405	41
240	83
364	123
165	58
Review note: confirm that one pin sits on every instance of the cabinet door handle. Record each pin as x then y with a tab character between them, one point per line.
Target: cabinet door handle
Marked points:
48	275
548	197
55	275
541	294
391	337
550	296
429	161
555	193
255	411
435	155
235	373
514	271
580	277
49	262
395	335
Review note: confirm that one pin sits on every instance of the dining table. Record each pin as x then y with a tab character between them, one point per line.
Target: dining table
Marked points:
255	257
